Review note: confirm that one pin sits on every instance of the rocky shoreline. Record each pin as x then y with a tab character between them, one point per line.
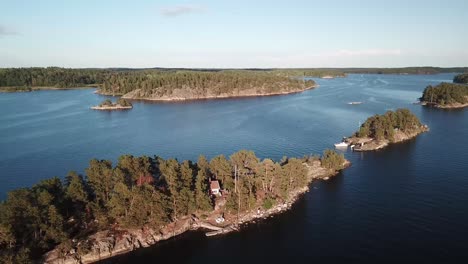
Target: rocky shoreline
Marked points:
371	144
116	107
185	95
106	244
446	106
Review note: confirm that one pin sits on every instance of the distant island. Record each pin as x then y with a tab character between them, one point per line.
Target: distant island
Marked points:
446	95
381	130
143	200
192	85
107	104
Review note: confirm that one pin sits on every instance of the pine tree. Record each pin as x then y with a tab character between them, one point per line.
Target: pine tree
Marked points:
222	171
75	188
202	192
170	174
100	178
186	188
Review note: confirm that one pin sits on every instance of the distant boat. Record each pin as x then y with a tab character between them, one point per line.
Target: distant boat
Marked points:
341	145
355	103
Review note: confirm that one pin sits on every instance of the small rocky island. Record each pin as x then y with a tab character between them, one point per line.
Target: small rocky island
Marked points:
446	95
107	104
381	130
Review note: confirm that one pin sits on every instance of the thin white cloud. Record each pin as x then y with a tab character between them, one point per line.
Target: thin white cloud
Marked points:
5	31
180	10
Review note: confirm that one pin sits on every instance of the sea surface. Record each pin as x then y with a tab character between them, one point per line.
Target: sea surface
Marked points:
407	203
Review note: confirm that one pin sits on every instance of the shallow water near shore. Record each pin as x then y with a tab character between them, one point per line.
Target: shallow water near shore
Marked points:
407	202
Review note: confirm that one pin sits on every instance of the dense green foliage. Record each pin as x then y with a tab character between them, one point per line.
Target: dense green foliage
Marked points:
214	83
384	126
139	191
332	160
107	102
121	102
159	81
445	94
461	78
25	78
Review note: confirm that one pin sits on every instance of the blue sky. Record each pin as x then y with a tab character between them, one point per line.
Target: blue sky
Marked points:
235	34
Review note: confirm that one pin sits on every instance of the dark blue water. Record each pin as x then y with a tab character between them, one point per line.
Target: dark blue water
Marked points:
406	203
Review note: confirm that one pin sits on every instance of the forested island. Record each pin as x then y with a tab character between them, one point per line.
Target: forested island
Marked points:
461	78
381	130
446	95
190	85
143	200
107	104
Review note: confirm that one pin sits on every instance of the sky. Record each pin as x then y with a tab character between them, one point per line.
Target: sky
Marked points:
233	34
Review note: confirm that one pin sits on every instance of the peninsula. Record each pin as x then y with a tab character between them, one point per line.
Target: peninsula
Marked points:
446	95
107	104
143	200
381	130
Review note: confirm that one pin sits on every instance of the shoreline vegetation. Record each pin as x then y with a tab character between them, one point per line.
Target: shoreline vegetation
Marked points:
14	89
142	200
446	95
379	131
107	104
156	82
461	78
191	85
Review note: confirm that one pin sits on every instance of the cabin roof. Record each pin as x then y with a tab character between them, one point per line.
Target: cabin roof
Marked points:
214	185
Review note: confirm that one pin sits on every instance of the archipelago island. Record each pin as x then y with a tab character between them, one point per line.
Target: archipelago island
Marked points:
107	104
447	95
379	131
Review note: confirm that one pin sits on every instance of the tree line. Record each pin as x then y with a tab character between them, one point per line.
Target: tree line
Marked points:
26	78
445	94
140	191
162	81
383	126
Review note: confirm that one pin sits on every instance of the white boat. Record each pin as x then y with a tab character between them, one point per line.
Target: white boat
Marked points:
341	145
355	103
